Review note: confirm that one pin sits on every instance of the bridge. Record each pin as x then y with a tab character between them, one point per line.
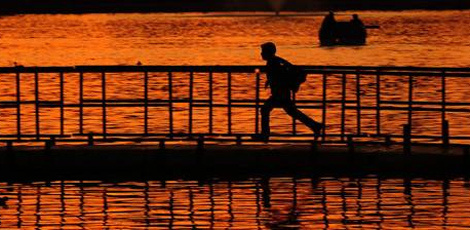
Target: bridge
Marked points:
70	115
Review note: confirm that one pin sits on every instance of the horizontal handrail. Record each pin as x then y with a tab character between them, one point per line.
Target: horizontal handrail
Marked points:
235	69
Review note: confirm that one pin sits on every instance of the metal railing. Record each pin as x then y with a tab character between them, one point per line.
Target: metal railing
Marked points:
357	92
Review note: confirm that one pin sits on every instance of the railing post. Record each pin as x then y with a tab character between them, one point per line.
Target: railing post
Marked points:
257	105
407	139
170	101
90	139
103	102
49	144
36	102
239	139
191	95
200	144
445	123
351	146
343	106
324	104
146	102
161	145
211	98
18	105
378	101
410	100
53	142
9	145
80	123
443	98
62	117
294	125
229	102
358	100
445	133
388	140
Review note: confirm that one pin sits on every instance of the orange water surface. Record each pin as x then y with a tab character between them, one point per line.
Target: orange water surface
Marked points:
407	38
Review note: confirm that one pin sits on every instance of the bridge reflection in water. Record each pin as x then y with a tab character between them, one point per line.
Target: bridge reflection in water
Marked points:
258	203
136	103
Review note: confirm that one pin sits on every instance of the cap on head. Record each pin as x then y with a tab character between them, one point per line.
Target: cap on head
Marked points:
268	48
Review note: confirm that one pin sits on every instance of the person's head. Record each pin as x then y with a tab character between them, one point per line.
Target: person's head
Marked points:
331	13
268	50
355	16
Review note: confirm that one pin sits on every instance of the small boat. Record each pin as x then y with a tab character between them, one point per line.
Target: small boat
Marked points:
343	33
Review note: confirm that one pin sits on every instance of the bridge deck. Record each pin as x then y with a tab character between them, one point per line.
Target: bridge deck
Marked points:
121	162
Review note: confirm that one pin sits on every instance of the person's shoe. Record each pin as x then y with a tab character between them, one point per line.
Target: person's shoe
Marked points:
260	137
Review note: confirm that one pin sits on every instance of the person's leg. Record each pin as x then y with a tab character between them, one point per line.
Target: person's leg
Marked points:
292	111
265	112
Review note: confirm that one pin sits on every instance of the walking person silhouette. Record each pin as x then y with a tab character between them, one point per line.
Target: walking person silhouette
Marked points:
278	80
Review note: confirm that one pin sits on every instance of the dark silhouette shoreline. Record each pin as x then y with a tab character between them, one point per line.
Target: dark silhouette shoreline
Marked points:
147	6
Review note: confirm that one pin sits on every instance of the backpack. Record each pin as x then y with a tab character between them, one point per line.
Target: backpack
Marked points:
296	76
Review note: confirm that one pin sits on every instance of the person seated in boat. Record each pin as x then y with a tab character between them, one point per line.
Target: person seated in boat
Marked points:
329	19
328	29
358	30
355	21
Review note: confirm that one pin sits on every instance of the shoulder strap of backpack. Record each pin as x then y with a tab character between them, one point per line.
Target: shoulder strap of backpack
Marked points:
285	62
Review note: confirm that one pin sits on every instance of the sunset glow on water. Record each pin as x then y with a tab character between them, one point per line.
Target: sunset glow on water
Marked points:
405	38
275	203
